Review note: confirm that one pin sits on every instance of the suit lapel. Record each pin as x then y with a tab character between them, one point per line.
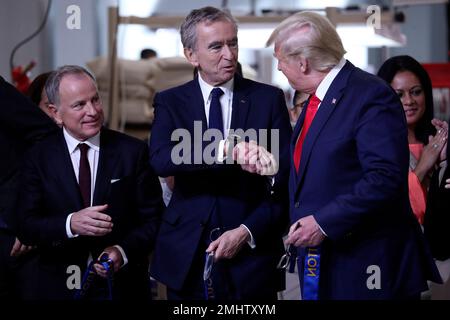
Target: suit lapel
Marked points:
294	137
106	166
63	169
241	104
196	104
327	107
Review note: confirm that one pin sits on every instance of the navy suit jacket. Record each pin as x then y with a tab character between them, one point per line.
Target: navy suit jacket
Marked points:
353	180
50	192
236	196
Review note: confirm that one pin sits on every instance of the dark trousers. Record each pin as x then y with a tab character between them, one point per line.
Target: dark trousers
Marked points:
194	287
222	283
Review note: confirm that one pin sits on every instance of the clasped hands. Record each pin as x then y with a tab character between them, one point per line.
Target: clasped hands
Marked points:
254	158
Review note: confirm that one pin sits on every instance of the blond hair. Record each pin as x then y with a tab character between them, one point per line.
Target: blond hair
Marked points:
312	36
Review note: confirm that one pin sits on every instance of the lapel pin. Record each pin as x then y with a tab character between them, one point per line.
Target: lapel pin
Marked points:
242	101
333	101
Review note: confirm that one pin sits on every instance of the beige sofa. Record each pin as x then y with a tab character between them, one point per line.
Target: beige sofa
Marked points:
139	80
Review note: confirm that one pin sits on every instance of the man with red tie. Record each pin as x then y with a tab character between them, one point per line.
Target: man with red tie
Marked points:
355	234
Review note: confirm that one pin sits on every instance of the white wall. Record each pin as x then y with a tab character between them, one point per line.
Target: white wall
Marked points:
74	46
426	28
56	44
18	20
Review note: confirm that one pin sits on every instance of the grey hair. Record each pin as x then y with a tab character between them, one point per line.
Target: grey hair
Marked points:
312	36
54	80
188	28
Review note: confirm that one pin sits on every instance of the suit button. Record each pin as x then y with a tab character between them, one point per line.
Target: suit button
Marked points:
297	204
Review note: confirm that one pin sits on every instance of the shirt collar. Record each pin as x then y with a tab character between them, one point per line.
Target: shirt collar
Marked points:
326	82
72	143
206	88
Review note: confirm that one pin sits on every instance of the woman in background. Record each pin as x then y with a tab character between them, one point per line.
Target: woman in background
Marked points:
37	93
427	137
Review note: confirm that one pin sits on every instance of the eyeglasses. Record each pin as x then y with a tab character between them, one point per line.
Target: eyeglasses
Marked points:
209	260
286	258
288	255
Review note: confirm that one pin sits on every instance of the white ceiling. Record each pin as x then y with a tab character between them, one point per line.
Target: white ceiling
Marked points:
174	7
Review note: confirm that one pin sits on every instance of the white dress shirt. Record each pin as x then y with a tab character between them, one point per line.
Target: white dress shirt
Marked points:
326	82
226	101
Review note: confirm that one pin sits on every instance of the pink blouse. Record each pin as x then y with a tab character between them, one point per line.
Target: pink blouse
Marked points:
417	192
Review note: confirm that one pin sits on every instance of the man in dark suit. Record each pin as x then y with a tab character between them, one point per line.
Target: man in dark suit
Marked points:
233	213
437	215
87	191
356	235
21	125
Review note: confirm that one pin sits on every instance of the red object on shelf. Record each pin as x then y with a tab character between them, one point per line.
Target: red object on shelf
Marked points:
20	77
439	74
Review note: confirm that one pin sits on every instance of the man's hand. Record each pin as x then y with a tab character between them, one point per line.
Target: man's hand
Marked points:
305	233
117	261
19	249
91	222
255	159
229	243
266	165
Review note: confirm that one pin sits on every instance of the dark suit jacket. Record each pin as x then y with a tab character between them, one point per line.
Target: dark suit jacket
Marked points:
437	216
353	179
235	196
51	193
21	124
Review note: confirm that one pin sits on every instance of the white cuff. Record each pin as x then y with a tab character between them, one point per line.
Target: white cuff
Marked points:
220	154
124	256
250	242
322	231
69	233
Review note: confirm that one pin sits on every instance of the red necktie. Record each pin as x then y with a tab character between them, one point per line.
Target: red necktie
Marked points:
310	113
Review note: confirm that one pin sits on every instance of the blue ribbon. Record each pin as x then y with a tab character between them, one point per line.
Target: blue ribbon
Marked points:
311	274
207	281
90	274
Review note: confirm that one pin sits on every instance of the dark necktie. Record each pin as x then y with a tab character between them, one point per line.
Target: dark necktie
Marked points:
310	113
84	178
215	110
